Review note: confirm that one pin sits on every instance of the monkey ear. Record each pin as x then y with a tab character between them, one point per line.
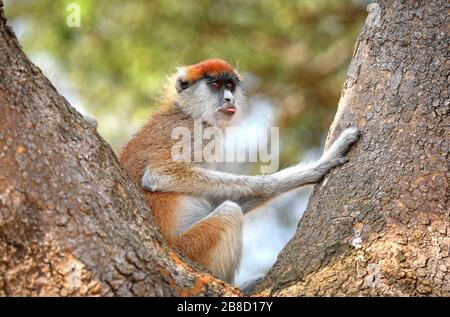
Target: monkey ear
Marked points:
181	82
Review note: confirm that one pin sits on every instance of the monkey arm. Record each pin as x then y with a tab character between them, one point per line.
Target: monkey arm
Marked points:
250	190
200	181
289	179
303	174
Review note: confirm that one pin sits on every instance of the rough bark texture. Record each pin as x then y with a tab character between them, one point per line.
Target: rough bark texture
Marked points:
379	225
71	220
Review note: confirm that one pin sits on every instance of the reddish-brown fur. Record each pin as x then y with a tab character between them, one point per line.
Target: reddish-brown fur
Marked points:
198	242
151	146
211	67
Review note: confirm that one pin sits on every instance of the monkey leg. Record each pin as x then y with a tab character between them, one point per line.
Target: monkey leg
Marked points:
215	241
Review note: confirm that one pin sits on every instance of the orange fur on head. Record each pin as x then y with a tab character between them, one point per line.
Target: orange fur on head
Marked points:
211	67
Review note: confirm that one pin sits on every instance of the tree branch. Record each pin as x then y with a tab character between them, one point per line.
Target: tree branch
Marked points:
379	225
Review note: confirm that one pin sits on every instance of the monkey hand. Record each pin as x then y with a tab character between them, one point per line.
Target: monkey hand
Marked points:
334	156
310	173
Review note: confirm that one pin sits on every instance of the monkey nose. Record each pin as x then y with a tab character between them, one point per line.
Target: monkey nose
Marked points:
229	100
228	97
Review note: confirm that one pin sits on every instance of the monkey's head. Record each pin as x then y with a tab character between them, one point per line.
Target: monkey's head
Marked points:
211	91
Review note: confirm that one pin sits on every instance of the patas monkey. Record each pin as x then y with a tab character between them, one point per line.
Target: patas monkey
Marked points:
199	209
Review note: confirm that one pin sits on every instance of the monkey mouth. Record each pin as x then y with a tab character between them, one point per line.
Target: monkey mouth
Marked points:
228	110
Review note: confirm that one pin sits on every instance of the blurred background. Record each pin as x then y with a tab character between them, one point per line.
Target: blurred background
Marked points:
293	55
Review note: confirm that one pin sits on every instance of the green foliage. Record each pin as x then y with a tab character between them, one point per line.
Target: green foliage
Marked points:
119	57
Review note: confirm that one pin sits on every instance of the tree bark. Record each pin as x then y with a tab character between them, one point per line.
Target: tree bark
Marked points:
379	225
72	222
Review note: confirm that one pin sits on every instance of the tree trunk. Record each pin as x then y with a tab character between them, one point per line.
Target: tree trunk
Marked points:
72	222
379	225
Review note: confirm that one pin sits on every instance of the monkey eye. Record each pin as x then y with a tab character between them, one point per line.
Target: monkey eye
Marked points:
231	85
184	84
215	84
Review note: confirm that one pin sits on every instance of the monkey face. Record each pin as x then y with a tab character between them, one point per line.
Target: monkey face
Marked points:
211	91
218	100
